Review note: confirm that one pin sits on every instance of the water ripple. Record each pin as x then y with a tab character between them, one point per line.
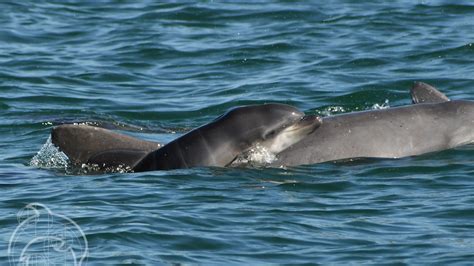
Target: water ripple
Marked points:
156	70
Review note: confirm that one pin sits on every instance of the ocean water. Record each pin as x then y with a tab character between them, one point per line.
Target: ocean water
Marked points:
155	70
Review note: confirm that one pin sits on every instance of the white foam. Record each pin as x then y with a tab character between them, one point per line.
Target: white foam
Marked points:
255	156
50	157
384	105
331	110
95	168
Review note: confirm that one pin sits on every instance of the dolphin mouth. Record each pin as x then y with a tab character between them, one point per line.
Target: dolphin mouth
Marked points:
307	123
280	141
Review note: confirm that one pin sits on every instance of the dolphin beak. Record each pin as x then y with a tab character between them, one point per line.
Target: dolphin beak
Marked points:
292	134
312	122
306	125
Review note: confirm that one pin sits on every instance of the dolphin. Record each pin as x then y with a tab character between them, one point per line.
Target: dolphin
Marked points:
433	123
218	143
85	144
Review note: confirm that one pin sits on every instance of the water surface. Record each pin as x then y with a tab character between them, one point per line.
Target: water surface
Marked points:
155	70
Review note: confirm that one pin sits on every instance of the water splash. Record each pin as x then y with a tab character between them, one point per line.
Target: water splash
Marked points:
332	110
97	169
384	105
49	156
255	156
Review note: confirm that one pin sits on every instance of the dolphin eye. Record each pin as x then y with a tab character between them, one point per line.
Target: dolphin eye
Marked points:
270	134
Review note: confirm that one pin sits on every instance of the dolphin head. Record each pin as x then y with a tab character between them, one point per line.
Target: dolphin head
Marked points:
274	126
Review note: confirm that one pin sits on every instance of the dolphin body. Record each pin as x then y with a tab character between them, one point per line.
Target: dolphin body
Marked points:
432	123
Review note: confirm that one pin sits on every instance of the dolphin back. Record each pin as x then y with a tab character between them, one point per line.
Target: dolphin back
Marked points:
85	144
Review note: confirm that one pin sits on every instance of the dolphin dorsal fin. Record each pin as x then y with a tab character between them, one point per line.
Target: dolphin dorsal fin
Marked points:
425	93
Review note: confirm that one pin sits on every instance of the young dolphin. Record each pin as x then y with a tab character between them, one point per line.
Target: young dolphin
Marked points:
274	126
433	123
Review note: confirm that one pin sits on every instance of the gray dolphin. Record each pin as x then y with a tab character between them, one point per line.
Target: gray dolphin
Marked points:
274	126
432	124
92	145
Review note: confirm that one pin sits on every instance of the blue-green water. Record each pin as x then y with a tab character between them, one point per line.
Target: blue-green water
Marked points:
151	69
